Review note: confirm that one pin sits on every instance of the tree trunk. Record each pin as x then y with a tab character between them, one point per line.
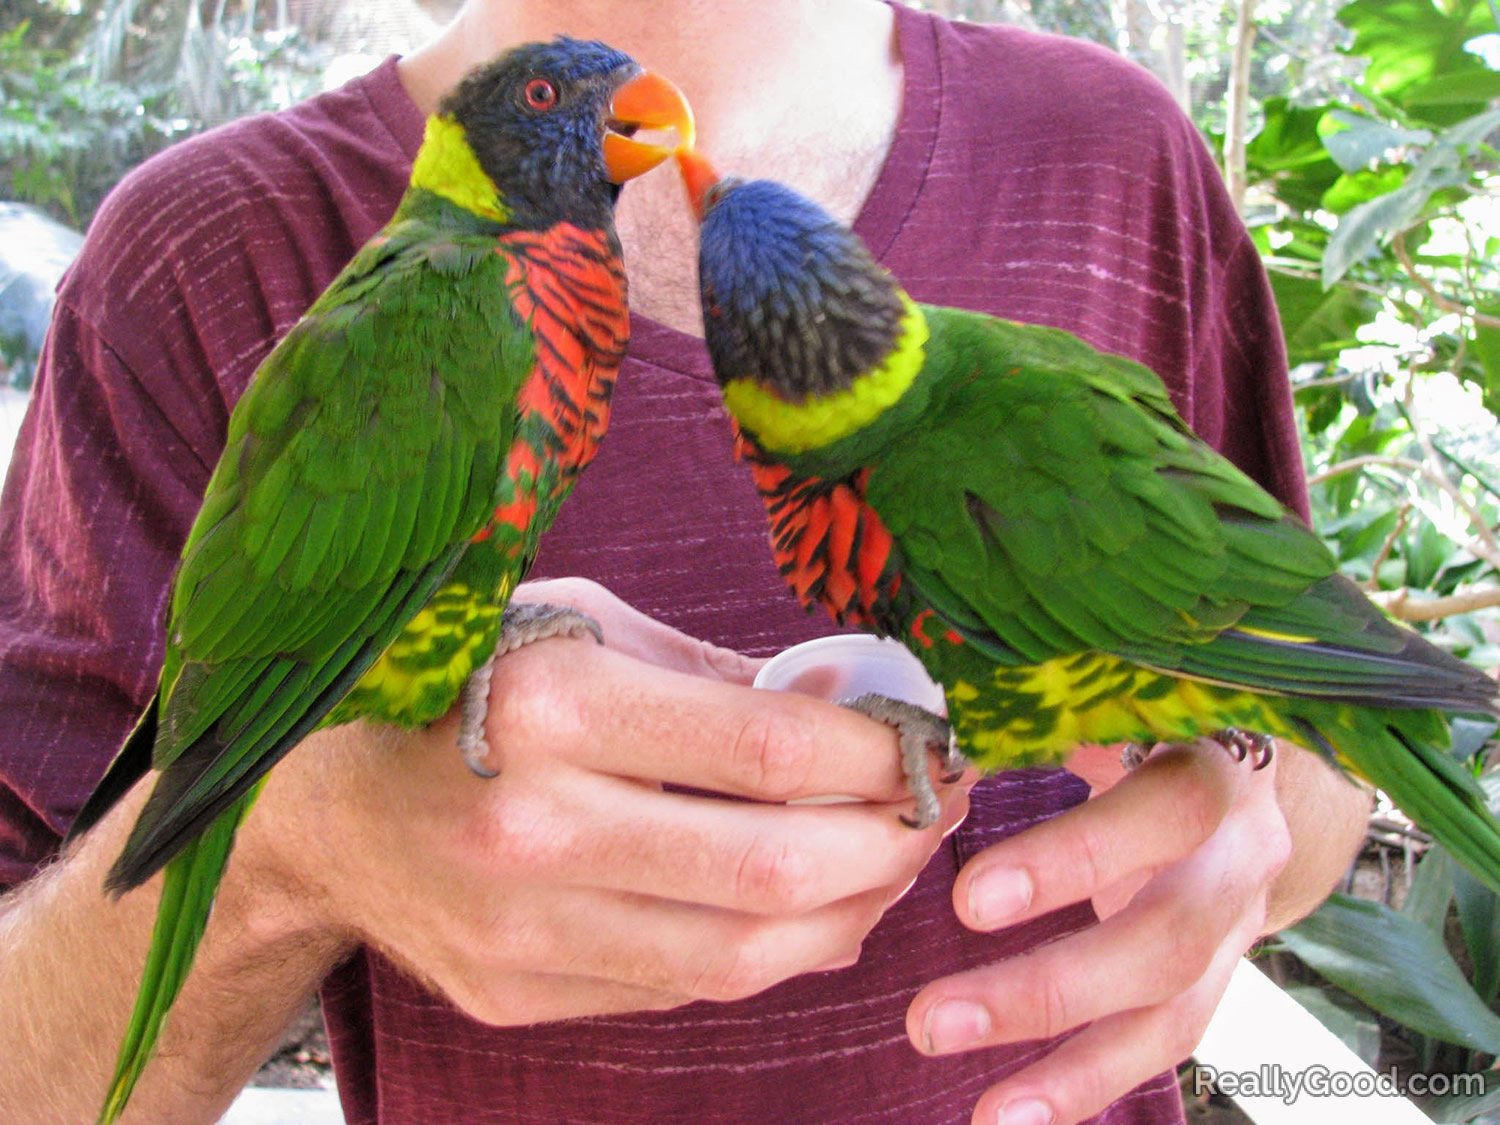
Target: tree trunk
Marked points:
1237	104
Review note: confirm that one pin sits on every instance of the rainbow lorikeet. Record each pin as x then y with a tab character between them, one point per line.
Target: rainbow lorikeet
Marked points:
1033	519
389	470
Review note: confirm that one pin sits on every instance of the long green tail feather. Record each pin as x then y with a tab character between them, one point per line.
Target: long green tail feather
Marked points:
191	881
1432	788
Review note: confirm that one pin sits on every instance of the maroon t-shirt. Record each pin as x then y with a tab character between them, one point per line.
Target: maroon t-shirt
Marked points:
1033	177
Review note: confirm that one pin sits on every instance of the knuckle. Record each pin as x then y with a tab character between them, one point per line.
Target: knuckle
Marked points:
1089	859
1187	951
523	836
1196	812
1275	845
1052	1003
773	755
733	971
774	874
531	699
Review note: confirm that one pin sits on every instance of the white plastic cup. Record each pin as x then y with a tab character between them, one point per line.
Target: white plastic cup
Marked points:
845	667
842	668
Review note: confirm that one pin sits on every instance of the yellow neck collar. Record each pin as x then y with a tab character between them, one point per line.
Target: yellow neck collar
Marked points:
779	426
446	166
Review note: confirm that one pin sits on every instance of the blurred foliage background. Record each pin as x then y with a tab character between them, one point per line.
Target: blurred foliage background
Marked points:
1358	140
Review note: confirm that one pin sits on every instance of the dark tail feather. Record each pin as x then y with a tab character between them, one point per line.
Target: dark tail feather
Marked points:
131	764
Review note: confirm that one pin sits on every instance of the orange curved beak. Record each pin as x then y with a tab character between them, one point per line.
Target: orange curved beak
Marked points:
648	101
698	175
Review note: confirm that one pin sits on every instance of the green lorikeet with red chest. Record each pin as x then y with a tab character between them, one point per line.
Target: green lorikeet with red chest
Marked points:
1033	519
389	470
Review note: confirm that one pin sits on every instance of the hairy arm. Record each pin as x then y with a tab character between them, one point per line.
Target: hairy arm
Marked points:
70	958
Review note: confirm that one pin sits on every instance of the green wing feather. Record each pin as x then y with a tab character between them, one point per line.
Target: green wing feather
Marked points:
1077	511
358	465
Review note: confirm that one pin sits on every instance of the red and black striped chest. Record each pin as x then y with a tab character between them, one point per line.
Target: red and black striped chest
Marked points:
830	545
568	287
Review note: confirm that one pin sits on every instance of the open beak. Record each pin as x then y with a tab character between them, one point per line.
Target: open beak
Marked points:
698	175
648	101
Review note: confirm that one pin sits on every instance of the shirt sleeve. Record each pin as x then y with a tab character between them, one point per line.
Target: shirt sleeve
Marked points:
96	506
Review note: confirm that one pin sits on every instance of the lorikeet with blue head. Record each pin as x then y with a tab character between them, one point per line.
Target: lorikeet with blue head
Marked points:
389	471
1033	519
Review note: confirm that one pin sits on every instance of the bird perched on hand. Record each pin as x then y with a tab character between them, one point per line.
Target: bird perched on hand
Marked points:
1033	520
389	471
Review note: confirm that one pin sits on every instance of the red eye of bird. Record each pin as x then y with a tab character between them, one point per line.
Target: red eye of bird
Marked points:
541	94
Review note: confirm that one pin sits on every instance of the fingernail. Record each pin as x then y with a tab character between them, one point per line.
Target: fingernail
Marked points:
1027	1111
998	895
952	1024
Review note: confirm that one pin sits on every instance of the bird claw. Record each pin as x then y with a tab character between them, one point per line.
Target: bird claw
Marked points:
1241	744
520	625
1133	755
922	735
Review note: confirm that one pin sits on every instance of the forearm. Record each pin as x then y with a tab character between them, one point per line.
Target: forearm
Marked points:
1325	815
70	961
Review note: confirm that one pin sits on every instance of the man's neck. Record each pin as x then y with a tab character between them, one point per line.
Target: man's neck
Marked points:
804	91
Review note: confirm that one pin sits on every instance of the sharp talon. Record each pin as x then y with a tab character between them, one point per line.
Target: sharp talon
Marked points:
922	735
1259	748
475	762
1133	755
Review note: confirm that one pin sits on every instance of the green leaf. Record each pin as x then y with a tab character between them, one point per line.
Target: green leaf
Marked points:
1362	141
1431	890
1411	43
1319	323
1479	917
1348	1019
1469	735
1397	966
1472	130
1458	1109
1288	152
1349	191
1465	89
1363	228
1485	347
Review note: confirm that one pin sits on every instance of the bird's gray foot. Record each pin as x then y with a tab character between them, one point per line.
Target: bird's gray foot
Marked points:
1132	754
526	623
1242	744
474	706
520	625
922	734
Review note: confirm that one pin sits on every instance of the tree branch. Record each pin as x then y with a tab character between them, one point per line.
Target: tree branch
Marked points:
1484	545
1441	300
1403	605
1237	105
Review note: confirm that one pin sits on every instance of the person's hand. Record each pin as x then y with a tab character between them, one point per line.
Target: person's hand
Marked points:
1179	859
574	883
